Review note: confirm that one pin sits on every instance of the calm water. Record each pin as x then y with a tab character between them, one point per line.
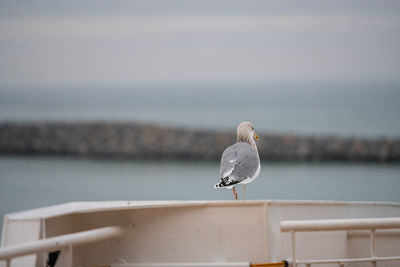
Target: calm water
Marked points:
31	182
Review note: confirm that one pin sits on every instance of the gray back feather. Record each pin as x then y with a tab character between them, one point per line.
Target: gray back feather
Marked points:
242	158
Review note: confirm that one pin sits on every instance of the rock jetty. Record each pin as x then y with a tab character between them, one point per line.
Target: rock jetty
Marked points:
145	141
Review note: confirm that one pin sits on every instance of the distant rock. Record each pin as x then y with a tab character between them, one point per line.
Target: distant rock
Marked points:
145	141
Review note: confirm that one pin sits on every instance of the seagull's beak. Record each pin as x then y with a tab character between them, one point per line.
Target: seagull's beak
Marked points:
256	136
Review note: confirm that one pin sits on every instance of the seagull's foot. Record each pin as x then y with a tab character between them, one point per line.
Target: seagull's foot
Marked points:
234	193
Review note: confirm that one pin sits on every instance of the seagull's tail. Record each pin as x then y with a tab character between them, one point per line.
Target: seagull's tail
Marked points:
225	183
222	182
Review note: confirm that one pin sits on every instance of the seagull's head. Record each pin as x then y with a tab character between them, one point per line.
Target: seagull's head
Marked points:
246	133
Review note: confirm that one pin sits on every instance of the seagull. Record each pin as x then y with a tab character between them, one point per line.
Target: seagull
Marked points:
240	163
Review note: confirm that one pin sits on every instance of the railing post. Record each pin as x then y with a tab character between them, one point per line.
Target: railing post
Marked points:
372	245
293	235
70	255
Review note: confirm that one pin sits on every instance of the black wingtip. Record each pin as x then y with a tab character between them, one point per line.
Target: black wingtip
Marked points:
225	182
218	185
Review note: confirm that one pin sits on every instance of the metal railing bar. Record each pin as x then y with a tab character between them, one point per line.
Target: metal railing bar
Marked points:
59	242
340	224
370	224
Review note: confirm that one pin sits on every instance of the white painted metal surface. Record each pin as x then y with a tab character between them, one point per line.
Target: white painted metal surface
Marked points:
371	224
198	232
98	206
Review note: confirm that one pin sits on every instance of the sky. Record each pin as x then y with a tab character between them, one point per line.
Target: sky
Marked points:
128	42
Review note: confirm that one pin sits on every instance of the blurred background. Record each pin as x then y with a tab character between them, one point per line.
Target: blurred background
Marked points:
103	100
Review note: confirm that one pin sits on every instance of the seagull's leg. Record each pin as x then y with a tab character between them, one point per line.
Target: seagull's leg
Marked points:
234	193
244	191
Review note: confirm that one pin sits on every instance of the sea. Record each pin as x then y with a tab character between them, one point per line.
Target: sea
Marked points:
339	108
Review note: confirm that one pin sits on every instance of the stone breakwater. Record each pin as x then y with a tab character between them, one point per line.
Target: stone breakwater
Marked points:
144	141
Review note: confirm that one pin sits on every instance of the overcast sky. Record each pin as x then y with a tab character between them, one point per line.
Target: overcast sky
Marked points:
126	42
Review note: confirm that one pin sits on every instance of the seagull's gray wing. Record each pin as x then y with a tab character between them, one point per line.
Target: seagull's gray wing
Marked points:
239	162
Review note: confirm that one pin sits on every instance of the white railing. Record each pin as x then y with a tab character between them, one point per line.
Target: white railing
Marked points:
341	225
7	253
